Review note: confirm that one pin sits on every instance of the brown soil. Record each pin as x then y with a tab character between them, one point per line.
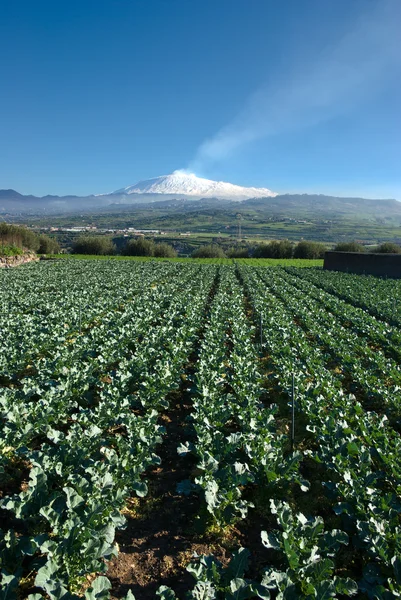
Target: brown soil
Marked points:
161	536
164	529
162	533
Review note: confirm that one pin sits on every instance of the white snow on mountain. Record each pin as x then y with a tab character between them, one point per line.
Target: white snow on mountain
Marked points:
189	184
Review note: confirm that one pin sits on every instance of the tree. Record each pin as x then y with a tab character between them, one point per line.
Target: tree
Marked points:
48	245
18	236
309	250
93	244
274	249
139	247
388	248
349	247
238	252
164	250
209	251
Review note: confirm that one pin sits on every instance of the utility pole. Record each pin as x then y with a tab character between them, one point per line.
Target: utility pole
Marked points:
239	217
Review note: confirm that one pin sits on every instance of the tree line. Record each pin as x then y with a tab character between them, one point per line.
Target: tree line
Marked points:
287	249
103	245
273	249
15	239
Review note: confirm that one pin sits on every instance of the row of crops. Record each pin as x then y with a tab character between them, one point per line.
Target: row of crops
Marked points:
90	354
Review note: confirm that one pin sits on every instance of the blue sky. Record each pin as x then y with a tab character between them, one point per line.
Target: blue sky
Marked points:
294	95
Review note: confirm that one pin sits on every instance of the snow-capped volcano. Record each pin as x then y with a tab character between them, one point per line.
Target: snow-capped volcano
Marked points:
188	184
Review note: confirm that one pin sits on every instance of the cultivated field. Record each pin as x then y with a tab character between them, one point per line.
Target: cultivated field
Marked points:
148	447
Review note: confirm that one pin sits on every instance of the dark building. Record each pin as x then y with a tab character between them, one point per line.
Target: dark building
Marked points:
383	265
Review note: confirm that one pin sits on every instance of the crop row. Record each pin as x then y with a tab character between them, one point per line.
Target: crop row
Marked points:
43	305
88	430
235	438
378	333
379	297
355	450
229	397
90	354
369	369
357	447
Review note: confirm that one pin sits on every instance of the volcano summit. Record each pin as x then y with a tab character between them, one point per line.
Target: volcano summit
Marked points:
188	184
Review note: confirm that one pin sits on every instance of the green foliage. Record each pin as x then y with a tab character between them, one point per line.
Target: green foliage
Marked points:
84	318
164	250
309	552
14	239
48	245
388	248
283	262
349	247
274	249
10	250
238	252
93	244
145	247
347	436
209	251
215	581
19	236
228	463
109	340
139	247
309	250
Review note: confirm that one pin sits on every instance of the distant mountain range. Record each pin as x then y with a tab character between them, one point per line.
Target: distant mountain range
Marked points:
186	192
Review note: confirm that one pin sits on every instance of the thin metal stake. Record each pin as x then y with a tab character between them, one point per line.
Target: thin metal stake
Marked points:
79	318
293	413
261	331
